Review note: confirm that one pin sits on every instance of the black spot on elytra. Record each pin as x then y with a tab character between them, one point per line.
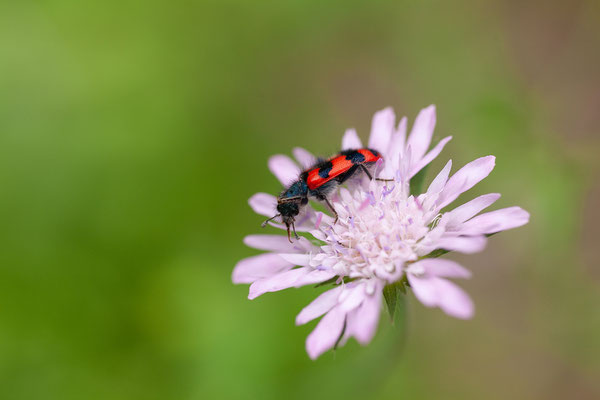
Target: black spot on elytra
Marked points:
325	169
354	156
375	152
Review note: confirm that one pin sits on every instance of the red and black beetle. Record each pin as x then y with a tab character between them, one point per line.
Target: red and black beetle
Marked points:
320	180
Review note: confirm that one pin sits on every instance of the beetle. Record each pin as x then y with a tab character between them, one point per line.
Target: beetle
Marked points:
319	181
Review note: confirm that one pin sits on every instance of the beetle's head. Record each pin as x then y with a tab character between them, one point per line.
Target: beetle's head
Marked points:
289	209
289	203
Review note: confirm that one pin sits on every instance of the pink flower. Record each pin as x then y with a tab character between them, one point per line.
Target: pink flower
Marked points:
384	235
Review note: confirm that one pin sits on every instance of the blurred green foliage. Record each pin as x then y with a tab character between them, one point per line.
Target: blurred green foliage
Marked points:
133	132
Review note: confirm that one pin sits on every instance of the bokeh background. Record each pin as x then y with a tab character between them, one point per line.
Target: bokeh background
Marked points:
133	132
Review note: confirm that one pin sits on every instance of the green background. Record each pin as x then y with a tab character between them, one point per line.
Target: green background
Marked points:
133	132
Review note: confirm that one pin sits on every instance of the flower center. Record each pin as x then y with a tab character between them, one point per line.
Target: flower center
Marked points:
376	234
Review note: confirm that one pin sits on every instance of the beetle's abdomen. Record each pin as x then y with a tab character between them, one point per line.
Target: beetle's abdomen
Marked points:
328	170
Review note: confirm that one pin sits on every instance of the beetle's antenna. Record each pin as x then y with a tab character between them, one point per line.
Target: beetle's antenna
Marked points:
295	234
265	223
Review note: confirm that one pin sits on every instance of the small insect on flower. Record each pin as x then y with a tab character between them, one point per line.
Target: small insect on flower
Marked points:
320	180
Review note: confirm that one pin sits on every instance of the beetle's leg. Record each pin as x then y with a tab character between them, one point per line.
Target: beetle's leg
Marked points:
366	171
331	208
267	221
295	234
289	237
371	176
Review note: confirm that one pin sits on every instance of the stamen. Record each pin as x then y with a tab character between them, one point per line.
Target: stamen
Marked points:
319	219
387	191
371	198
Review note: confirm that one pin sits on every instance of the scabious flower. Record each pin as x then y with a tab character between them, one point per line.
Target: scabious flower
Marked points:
385	235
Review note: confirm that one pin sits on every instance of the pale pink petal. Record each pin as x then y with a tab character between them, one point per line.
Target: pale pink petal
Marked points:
429	157
284	169
454	301
302	260
261	266
351	140
495	221
277	282
462	244
326	334
314	276
352	297
424	290
381	129
350	316
293	278
401	134
422	132
404	162
442	267
264	204
304	157
319	306
438	292
471	208
395	149
363	322
276	243
303	246
465	178
397	141
440	180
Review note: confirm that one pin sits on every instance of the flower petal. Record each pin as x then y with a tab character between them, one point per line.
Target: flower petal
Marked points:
362	322
351	140
257	267
462	244
397	141
440	180
395	149
424	290
277	282
381	129
422	132
293	278
471	208
429	157
276	243
304	157
314	276
263	204
319	306
352	296
296	259
438	292
440	267
284	169
495	221
326	334
465	178
454	301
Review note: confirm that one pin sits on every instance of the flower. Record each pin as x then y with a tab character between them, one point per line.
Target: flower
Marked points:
384	235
